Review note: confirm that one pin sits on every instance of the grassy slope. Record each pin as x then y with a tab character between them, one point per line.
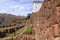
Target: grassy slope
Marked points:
28	30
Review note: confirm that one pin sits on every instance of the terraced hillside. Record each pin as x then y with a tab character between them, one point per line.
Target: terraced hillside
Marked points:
10	23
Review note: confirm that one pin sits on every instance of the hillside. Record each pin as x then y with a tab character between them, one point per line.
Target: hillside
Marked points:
8	19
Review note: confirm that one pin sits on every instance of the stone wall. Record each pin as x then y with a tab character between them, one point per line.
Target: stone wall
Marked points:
46	22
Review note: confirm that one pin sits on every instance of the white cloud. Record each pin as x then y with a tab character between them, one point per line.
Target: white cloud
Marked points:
15	7
22	9
18	8
3	11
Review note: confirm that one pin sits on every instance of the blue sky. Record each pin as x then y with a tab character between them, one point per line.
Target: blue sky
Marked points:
16	7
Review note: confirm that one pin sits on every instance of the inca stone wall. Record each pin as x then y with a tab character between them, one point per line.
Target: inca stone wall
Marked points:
46	22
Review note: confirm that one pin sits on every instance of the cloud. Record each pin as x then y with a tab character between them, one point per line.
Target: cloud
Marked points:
19	8
14	7
3	11
22	8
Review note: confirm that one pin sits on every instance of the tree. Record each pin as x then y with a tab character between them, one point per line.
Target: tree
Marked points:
28	16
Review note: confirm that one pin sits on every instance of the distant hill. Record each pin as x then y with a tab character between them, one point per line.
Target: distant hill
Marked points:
9	18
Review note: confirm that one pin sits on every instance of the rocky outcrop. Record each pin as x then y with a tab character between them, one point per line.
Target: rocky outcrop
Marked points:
46	22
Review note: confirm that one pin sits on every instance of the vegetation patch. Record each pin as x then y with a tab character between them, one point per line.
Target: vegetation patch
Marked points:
28	30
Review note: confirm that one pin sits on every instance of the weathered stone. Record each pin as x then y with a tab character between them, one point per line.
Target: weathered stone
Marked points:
55	30
42	21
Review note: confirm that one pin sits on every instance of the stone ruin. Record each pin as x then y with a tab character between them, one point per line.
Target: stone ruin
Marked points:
46	22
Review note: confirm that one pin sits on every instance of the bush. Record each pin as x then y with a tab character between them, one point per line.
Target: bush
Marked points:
28	30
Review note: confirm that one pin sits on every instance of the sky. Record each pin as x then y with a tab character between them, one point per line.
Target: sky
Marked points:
16	7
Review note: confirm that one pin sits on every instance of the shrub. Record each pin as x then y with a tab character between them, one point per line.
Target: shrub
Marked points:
28	30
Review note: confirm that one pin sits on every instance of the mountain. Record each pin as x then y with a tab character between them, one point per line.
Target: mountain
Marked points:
6	19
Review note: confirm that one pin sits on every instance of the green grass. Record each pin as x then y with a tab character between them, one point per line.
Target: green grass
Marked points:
28	30
12	34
